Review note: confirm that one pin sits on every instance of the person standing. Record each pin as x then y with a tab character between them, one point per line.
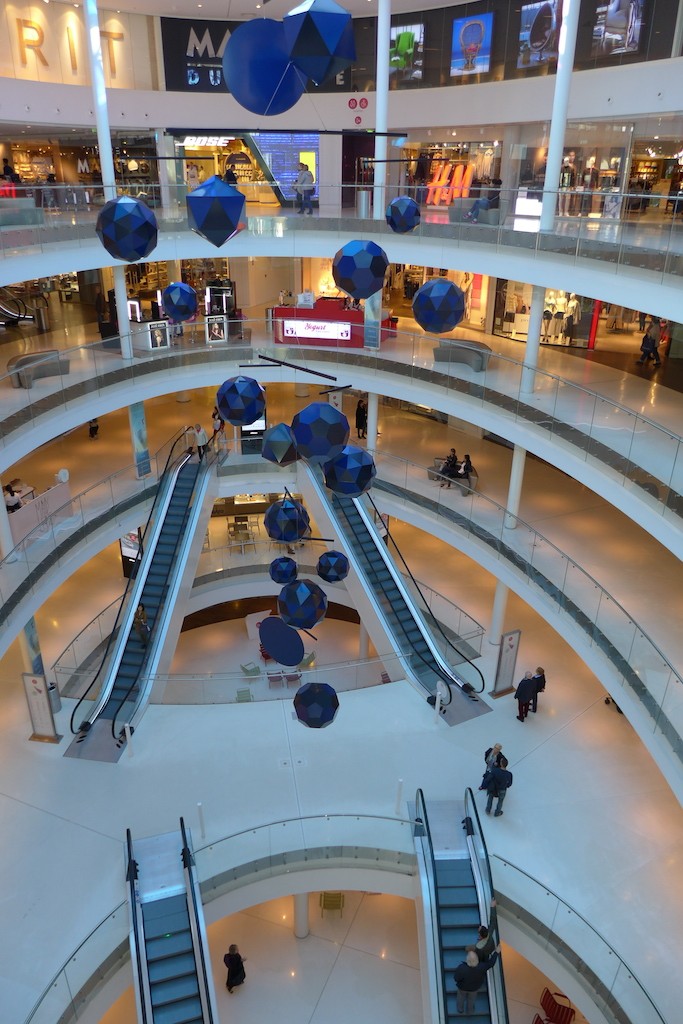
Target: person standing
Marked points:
649	346
93	429
361	418
469	977
539	684
235	964
218	424
486	943
499	783
140	624
12	500
304	188
201	440
229	177
524	694
492	758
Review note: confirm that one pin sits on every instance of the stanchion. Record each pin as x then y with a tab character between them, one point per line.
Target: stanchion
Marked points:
399	797
202	826
128	733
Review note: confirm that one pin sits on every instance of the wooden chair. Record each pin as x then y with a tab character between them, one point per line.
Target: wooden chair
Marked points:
331	901
244	697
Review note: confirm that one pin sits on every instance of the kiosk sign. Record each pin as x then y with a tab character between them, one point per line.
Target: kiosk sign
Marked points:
330	331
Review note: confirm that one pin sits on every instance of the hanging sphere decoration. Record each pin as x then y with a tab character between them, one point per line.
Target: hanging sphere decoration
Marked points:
439	306
320	431
179	301
127	229
283	570
351	472
241	400
286	520
316	705
302	604
333	566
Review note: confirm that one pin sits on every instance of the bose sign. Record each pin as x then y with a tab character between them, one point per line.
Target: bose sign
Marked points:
200	141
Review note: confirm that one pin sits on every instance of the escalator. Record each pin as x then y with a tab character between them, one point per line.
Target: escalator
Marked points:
407	623
123	679
13	309
168	943
458	896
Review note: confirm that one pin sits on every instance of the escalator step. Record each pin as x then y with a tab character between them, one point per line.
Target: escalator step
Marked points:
154	909
168	946
174	990
173	967
457	896
168	924
459	917
188	1011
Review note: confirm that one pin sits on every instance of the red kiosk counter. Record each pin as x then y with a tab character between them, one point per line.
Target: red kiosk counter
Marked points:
328	324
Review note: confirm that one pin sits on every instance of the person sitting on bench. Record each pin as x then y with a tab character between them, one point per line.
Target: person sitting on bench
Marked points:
464	469
449	468
491	201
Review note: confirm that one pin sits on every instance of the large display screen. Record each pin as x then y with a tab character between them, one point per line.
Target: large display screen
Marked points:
471	46
617	28
538	34
406	50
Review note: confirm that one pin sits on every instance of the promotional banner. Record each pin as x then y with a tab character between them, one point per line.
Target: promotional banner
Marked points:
40	709
373	317
138	430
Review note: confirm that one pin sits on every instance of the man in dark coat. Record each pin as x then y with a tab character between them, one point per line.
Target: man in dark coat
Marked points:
499	783
539	682
469	977
524	695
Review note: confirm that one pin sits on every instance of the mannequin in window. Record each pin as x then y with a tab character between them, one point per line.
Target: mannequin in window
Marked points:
589	182
567	182
572	318
548	310
557	322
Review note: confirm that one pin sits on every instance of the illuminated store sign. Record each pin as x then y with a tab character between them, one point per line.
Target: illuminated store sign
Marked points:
316	329
206	141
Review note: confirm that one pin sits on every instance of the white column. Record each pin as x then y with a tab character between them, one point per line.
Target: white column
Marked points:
500	601
515	486
170	195
563	78
99	92
301	927
373	414
382	102
363	643
533	339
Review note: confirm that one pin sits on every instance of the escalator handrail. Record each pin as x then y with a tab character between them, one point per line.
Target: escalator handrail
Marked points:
138	932
443	669
180	434
473	824
432	617
189	870
437	663
117	733
422	817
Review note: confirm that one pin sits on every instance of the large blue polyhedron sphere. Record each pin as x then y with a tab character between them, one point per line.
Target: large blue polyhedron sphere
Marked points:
127	229
321	431
316	705
179	301
319	35
333	567
302	604
214	210
403	215
241	400
286	520
359	267
351	472
283	570
258	70
439	306
279	445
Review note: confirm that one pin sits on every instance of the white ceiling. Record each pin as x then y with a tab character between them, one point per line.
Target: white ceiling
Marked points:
243	10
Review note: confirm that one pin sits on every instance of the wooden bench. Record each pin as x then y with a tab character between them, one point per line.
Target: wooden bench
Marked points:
23	370
473	353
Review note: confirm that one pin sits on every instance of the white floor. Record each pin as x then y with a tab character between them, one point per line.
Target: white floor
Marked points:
590	815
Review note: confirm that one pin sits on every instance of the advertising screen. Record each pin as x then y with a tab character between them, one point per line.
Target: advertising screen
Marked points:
471	46
406	48
538	34
617	28
158	334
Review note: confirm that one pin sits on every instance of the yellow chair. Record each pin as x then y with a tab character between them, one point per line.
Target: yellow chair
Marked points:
244	697
331	901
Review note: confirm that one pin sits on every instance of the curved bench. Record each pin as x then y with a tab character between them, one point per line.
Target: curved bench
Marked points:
23	370
474	353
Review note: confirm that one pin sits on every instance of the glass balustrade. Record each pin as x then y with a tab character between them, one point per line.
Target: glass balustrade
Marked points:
640	454
611	234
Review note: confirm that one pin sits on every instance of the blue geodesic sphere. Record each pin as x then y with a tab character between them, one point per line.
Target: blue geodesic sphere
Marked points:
439	306
179	301
214	210
258	70
333	567
302	604
320	431
241	400
286	520
358	269
283	570
127	229
279	445
351	472
316	705
319	37
403	215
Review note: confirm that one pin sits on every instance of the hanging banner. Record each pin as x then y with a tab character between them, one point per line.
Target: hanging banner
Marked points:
138	429
373	317
40	709
507	661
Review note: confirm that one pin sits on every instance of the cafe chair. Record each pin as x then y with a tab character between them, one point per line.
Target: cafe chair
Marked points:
554	1011
244	697
274	679
251	669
